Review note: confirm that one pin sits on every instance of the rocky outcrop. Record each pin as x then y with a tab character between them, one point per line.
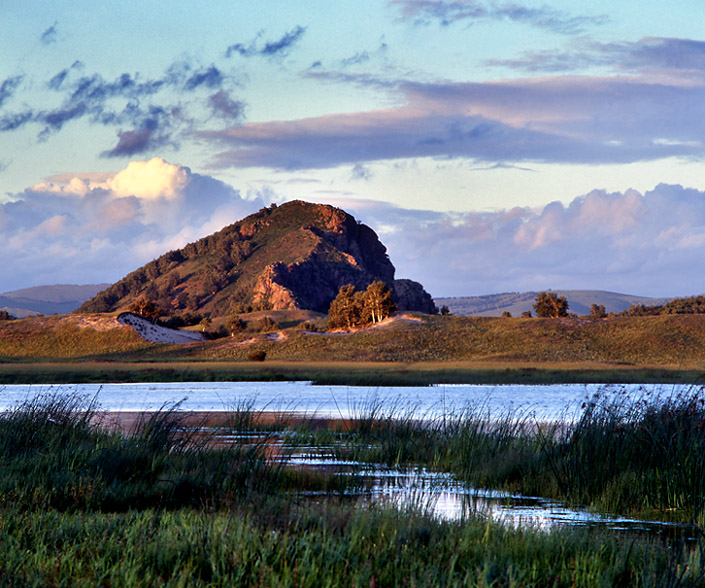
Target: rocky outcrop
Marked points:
411	295
296	255
269	289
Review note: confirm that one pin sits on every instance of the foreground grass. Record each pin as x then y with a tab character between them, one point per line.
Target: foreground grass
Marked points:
80	506
319	546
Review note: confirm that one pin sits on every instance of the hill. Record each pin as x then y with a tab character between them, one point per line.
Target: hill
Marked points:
293	256
56	299
579	302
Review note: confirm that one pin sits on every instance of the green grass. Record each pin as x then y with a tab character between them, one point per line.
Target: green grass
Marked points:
295	545
81	506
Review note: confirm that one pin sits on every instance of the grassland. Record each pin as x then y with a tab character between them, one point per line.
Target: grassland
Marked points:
83	506
430	349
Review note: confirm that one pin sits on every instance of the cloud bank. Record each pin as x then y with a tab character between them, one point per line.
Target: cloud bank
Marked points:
648	244
83	230
87	229
578	119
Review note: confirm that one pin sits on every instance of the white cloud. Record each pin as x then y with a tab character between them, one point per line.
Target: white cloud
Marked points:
150	180
648	244
93	228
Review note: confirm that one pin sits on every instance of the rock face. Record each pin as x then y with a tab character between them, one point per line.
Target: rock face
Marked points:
411	295
296	255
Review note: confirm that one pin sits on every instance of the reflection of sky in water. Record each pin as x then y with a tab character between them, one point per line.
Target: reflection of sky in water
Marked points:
443	496
544	402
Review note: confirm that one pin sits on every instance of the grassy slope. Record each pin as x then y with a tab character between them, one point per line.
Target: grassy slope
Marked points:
444	349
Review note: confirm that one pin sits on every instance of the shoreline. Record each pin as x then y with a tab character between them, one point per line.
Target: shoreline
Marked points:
346	373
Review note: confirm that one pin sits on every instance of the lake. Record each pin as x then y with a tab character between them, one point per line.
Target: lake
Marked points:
546	402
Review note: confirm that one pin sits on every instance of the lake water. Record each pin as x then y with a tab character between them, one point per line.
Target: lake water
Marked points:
546	402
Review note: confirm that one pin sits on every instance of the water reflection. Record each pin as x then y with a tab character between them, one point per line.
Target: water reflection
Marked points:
442	495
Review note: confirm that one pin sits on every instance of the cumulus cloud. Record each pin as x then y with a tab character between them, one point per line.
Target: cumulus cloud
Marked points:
447	12
276	48
85	229
649	244
576	119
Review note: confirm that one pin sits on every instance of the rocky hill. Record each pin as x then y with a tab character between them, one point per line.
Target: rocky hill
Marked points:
293	256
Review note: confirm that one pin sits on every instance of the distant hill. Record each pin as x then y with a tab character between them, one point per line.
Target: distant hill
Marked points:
293	256
59	299
579	302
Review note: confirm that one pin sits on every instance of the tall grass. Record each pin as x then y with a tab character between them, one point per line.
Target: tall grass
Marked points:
83	506
54	454
646	454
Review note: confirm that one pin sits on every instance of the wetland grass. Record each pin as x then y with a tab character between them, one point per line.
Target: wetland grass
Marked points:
637	456
84	506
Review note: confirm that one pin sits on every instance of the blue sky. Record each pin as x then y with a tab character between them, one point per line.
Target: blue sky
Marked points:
494	146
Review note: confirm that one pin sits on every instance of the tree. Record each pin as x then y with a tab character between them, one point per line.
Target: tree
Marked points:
206	323
445	311
344	311
354	309
267	324
6	316
146	308
551	305
597	311
377	302
235	325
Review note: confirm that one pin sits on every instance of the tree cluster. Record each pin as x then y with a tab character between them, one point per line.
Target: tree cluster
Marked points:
550	305
352	308
689	305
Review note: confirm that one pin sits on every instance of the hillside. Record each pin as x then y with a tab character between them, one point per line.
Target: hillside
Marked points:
56	299
579	302
293	256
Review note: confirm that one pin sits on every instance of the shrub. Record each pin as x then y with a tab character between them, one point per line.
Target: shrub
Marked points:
267	324
259	355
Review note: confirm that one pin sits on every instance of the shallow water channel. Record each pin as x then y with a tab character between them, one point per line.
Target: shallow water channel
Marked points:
443	496
437	492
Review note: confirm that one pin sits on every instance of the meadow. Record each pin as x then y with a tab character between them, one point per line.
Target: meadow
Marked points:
162	504
415	350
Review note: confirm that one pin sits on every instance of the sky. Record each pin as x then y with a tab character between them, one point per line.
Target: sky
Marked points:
494	146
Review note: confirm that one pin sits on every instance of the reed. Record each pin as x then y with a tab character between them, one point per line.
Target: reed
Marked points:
160	506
